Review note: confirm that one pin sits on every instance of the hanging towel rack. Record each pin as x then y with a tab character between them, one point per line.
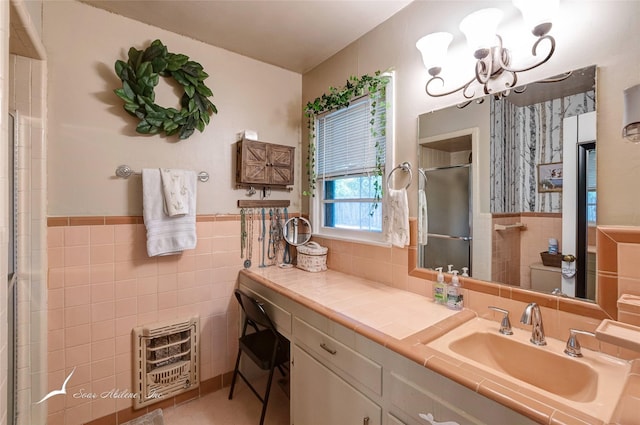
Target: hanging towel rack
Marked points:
124	171
406	167
517	225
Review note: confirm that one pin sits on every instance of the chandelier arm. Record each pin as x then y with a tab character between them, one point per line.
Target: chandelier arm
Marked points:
534	48
463	87
484	75
514	80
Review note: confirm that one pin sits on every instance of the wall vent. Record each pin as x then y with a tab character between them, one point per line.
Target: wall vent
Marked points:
166	360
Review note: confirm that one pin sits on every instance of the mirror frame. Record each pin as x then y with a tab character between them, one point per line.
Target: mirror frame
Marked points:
605	307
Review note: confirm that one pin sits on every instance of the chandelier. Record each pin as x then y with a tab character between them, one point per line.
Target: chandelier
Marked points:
494	71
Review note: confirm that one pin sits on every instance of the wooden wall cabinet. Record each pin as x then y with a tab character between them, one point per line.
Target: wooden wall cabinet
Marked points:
264	164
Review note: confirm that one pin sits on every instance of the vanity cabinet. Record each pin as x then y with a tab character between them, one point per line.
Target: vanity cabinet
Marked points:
341	377
264	164
321	397
329	380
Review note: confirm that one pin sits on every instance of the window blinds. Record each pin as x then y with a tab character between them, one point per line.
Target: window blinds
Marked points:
345	145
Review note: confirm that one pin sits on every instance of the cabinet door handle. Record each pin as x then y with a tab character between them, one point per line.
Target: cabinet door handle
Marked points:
330	351
365	421
429	418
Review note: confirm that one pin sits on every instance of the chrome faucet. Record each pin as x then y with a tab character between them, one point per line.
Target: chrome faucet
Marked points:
533	316
573	345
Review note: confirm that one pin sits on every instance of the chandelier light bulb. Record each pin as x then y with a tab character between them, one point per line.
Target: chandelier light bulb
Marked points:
433	48
480	29
538	15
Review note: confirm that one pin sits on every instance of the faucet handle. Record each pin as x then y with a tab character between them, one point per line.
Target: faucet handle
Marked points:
505	324
573	348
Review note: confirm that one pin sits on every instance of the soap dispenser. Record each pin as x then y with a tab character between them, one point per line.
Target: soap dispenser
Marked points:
465	272
454	293
440	288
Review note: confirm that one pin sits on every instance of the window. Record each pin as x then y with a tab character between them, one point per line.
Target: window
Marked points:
347	154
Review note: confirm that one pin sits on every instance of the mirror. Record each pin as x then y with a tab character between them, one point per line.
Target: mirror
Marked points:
512	174
297	231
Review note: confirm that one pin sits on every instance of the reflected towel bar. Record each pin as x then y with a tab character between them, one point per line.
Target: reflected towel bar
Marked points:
125	172
518	225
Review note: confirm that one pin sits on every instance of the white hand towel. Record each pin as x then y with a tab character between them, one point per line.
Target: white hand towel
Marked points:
174	189
167	235
395	223
423	218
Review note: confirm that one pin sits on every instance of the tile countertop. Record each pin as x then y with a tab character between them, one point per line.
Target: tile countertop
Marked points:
404	322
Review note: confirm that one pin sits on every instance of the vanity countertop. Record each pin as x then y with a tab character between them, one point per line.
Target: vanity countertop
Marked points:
405	322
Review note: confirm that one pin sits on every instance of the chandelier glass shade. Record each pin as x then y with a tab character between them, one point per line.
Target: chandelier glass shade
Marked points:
494	71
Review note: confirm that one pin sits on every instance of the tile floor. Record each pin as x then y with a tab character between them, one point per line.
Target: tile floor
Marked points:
244	409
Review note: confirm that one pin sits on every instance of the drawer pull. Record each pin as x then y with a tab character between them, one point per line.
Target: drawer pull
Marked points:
328	350
365	421
429	418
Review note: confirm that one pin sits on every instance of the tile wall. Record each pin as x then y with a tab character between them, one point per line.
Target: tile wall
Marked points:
27	88
4	183
102	284
513	251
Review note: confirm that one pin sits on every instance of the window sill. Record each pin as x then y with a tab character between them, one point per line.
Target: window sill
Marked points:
353	239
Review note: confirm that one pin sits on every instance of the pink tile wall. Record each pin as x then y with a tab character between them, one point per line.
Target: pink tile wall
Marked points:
536	240
514	251
382	264
101	284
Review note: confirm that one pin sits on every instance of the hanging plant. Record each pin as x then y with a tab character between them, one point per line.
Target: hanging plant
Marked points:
336	99
140	75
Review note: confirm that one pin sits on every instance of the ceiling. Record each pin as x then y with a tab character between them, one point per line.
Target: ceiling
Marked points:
293	34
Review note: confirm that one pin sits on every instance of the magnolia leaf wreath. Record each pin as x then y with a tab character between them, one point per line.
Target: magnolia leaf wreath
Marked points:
140	75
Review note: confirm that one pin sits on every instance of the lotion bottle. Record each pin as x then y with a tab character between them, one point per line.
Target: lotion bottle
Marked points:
440	288
454	293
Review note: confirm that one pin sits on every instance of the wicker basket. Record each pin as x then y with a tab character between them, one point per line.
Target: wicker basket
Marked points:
312	257
551	260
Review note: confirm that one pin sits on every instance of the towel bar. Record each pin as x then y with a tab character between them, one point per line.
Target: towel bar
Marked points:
125	172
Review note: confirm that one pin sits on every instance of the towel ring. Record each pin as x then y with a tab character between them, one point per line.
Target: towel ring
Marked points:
406	167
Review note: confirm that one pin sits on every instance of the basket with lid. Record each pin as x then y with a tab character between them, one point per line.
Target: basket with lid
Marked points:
312	257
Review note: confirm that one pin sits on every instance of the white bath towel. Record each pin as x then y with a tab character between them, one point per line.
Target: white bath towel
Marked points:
175	191
423	218
395	223
167	235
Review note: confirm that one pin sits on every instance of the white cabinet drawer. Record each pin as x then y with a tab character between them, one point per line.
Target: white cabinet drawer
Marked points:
446	401
338	355
279	316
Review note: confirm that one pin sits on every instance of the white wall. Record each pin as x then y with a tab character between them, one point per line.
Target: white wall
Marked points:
603	33
90	134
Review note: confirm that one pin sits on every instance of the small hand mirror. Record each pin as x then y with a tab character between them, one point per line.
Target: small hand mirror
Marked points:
297	231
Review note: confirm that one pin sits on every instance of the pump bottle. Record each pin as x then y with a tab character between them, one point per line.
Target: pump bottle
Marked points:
440	288
454	293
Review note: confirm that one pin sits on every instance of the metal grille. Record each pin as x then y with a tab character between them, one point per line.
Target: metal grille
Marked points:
166	360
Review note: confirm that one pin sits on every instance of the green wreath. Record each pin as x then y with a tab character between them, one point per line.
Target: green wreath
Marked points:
140	74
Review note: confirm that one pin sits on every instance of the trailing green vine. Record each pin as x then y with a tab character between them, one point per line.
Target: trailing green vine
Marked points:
140	74
339	98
